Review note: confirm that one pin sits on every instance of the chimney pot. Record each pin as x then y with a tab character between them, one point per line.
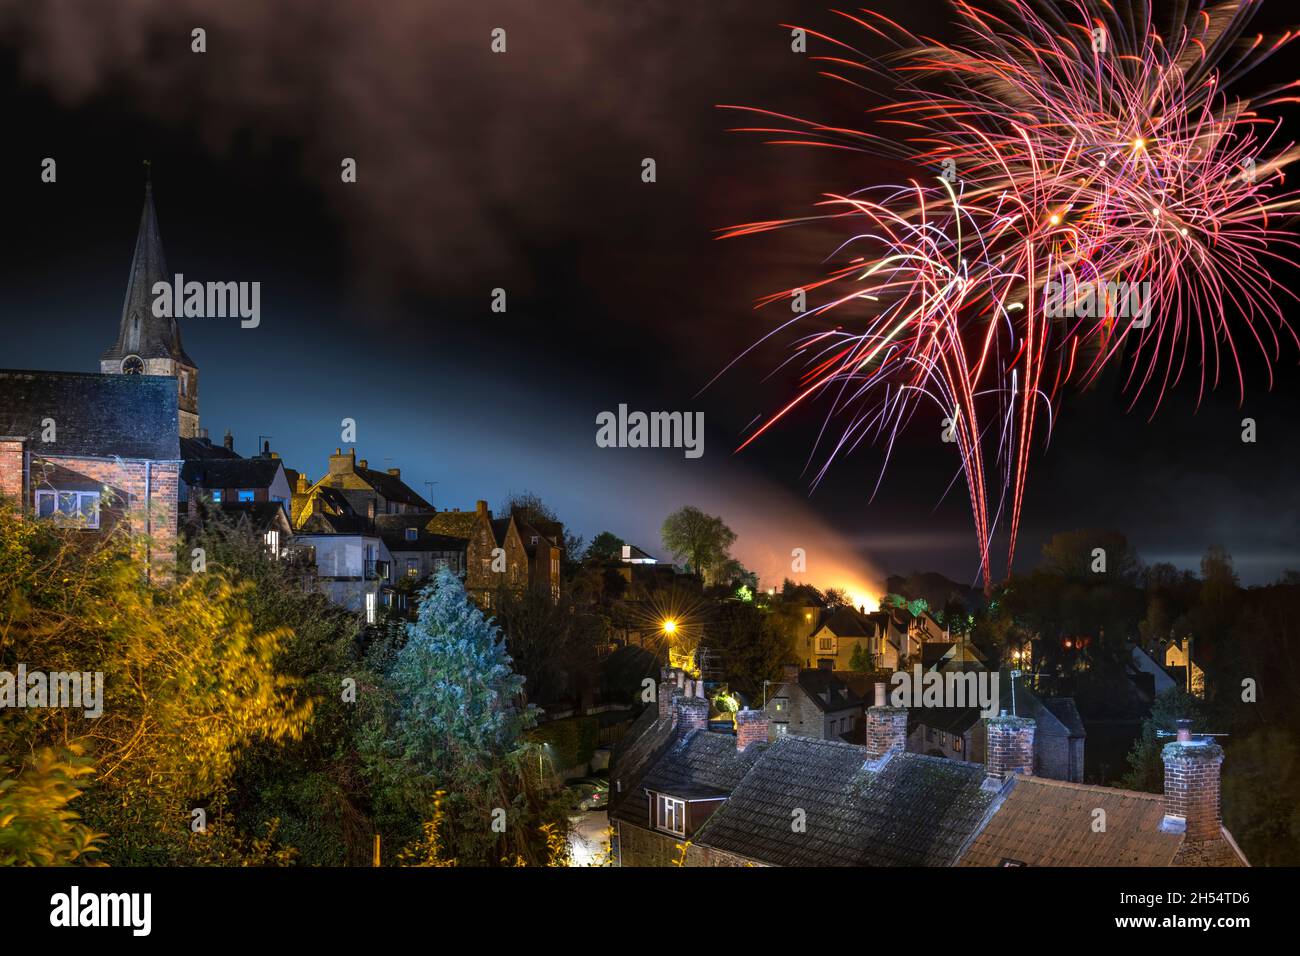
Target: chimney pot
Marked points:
880	694
395	472
1192	786
363	463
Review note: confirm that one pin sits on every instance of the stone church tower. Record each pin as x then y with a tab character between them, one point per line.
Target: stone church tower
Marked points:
148	344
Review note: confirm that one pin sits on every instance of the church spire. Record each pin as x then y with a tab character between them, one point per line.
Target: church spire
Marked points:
141	333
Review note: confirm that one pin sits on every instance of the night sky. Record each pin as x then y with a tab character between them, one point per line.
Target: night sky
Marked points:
522	171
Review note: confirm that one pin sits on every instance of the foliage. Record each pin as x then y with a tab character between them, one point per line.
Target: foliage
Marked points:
703	541
37	827
605	546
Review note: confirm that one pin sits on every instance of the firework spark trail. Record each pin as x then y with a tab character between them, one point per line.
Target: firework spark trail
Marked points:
1083	149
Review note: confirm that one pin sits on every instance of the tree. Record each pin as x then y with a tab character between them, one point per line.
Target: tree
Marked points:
37	827
456	726
702	541
752	645
606	546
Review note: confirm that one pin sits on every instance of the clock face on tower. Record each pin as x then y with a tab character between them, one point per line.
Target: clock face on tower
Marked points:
132	365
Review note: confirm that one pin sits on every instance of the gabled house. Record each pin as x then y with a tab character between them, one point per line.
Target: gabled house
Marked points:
236	481
958	656
510	553
369	492
1185	671
958	733
837	634
417	552
95	452
813	702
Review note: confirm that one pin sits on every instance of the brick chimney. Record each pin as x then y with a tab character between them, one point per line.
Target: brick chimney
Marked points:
303	485
363	463
341	464
1008	748
480	506
751	727
395	472
886	727
229	441
692	714
790	673
670	687
1192	786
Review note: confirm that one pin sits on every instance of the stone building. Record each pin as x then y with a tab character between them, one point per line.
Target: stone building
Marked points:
148	344
95	452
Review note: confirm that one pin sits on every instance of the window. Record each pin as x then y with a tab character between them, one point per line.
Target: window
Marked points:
80	508
412	567
412	534
216	497
780	705
825	643
782	728
670	814
245	494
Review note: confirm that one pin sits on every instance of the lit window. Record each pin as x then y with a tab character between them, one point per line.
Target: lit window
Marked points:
216	496
245	494
79	508
670	814
780	705
412	567
825	643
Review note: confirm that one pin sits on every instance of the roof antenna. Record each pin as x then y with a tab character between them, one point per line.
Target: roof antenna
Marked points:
1014	675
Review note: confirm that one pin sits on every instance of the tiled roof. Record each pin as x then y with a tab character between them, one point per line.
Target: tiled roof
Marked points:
458	524
194	448
392	528
846	622
827	690
95	416
913	811
1051	823
698	764
392	488
1064	710
231	472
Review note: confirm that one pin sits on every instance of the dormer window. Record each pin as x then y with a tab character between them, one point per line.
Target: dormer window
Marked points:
670	814
412	534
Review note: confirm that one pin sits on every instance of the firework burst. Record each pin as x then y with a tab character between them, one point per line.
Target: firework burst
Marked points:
1090	190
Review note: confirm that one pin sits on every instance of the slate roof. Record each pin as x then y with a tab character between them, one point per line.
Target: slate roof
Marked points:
958	720
196	448
230	472
259	515
392	528
1045	822
913	811
1064	710
828	691
392	488
698	765
458	524
96	416
140	331
847	622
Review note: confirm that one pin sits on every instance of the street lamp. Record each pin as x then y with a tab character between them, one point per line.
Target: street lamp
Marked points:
670	627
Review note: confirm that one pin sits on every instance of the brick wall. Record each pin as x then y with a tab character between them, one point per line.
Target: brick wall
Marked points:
1192	787
11	471
886	730
1009	746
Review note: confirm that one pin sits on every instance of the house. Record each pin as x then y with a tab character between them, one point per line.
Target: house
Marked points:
514	553
354	568
1052	823
837	635
238	480
265	518
684	794
957	733
813	703
633	555
367	491
1154	678
1184	670
97	452
417	552
958	656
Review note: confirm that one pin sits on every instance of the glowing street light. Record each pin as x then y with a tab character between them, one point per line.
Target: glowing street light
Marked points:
670	626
